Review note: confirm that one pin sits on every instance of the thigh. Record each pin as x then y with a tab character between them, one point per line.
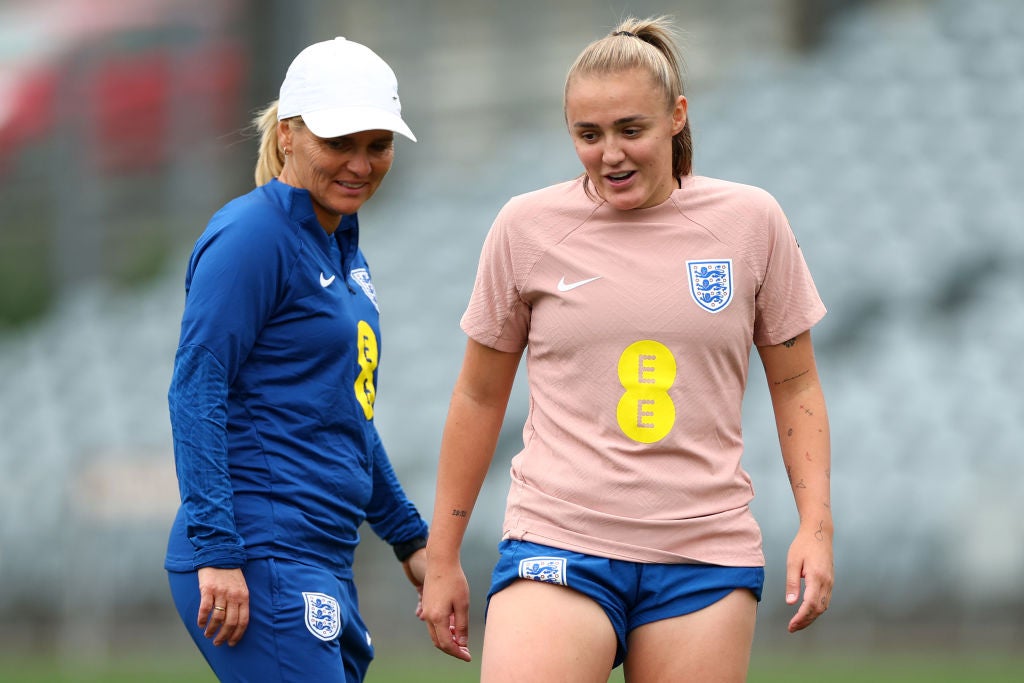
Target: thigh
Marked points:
538	631
712	644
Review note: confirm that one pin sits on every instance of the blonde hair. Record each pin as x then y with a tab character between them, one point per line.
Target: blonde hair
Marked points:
270	161
647	45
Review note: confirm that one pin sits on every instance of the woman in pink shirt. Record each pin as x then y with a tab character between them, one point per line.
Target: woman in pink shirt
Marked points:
637	292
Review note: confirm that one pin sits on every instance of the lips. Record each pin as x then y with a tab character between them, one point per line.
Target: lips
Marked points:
619	178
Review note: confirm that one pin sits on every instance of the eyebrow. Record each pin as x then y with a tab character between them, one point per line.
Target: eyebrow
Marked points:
617	122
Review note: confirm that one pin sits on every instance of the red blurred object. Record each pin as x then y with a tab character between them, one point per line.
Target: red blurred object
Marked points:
116	73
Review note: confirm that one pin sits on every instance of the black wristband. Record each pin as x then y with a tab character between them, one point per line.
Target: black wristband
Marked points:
405	549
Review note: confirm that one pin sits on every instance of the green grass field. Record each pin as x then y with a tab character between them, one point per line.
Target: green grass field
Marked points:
766	668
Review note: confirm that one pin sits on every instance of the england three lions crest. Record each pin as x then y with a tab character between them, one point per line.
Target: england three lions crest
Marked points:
543	569
323	618
710	283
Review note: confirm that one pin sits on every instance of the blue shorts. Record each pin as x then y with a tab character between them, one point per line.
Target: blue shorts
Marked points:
304	624
631	593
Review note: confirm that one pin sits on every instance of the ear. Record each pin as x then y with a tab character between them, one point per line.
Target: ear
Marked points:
284	135
679	115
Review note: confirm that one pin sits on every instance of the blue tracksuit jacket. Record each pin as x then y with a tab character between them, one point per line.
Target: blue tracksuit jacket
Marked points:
272	394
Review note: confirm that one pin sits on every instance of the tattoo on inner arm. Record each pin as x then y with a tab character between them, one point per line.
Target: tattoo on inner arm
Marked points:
789	475
458	513
790	379
789	342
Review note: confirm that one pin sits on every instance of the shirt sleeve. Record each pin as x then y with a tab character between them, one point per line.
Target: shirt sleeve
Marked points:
787	302
496	315
390	513
233	284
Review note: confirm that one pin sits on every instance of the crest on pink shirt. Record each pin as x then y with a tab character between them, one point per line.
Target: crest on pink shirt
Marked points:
711	283
544	569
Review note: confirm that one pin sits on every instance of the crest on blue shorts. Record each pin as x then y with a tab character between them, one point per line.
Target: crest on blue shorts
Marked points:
545	569
710	283
323	618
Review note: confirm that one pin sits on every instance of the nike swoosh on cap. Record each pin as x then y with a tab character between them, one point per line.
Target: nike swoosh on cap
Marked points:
326	281
564	286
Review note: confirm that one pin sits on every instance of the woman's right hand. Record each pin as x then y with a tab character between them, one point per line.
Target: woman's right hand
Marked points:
446	609
224	604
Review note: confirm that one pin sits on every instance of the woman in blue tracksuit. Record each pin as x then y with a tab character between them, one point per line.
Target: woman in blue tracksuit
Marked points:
273	390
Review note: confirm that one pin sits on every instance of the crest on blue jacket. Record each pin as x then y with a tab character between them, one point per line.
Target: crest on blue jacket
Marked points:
362	278
710	283
323	617
544	569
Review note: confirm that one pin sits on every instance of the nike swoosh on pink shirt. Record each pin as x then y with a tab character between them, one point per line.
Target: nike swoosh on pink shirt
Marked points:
564	286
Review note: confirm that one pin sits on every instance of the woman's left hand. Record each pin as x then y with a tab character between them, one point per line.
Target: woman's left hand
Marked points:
810	559
415	567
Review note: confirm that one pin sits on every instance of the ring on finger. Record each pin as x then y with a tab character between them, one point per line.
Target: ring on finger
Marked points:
219	609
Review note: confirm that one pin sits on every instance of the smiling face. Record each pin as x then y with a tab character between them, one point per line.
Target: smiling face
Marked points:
341	174
623	130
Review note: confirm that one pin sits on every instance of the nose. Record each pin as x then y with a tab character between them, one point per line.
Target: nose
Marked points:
612	153
359	163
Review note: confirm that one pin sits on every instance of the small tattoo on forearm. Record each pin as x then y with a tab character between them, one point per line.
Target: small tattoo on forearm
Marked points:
789	432
820	534
799	485
807	455
458	513
807	410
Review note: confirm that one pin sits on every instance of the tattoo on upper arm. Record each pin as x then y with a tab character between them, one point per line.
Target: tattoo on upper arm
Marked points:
789	342
790	379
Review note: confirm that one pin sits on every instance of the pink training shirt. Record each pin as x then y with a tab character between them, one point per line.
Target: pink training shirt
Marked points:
639	326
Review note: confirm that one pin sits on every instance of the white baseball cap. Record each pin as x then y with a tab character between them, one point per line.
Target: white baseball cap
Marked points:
339	87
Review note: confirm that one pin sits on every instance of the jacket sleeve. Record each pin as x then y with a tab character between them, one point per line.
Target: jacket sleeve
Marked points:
232	289
197	400
390	513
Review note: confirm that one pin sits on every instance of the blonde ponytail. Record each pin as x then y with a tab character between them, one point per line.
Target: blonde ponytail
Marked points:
271	160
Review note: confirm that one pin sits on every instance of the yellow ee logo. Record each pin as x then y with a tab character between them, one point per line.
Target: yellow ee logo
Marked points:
646	412
368	356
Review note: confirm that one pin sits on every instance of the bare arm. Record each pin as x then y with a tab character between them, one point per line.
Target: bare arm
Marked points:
802	422
470	436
